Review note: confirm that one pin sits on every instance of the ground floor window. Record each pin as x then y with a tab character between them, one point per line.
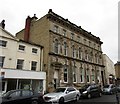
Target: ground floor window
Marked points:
65	74
88	75
81	74
24	84
13	84
93	75
3	86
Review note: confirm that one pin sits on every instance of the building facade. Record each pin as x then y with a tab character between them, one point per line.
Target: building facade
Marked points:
117	70
72	56
109	70
20	64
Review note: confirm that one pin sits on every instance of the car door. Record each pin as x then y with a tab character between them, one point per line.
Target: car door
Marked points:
14	98
26	96
114	89
93	91
71	93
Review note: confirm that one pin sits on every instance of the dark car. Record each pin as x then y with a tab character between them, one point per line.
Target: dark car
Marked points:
91	90
109	89
22	97
118	88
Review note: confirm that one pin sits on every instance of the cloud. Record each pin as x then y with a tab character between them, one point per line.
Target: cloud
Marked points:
96	16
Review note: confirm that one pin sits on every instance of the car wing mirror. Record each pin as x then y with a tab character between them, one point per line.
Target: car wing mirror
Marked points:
67	92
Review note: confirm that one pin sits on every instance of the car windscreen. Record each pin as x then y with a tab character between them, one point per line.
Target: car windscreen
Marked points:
106	86
60	90
85	86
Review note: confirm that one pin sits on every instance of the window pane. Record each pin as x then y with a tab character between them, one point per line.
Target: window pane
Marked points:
65	48
74	74
3	43
33	65
56	29
21	47
1	61
34	50
65	75
64	32
3	86
72	36
88	74
20	64
56	46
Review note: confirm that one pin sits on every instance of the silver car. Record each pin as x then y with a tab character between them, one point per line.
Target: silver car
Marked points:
109	89
62	94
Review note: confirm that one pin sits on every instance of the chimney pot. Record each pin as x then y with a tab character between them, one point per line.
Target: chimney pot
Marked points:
50	10
2	24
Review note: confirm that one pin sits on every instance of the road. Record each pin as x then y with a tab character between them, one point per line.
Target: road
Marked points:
105	99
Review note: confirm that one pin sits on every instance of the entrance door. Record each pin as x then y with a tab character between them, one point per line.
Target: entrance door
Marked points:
4	86
56	79
102	74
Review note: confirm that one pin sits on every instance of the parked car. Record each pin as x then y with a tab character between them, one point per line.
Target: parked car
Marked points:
62	94
90	90
118	88
109	89
22	97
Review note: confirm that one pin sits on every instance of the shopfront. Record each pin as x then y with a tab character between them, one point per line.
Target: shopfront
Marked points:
21	79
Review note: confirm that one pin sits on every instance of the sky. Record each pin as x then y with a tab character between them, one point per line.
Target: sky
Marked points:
100	17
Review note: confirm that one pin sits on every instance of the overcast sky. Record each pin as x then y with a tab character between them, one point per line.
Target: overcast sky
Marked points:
100	17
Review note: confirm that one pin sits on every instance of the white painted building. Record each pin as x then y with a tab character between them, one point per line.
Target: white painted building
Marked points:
21	64
109	69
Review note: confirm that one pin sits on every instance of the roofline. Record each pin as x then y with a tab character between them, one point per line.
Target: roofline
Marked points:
8	32
86	33
31	43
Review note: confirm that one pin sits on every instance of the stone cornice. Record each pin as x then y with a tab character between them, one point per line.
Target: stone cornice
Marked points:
62	56
55	17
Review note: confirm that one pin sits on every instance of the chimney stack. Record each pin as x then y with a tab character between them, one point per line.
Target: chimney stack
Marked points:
27	29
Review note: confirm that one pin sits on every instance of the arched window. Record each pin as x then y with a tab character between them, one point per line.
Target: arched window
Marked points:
86	55
80	53
65	48
74	72
66	71
93	75
56	46
81	74
73	51
88	75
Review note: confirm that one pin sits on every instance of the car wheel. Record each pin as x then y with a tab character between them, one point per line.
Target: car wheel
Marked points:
77	97
89	96
61	100
34	102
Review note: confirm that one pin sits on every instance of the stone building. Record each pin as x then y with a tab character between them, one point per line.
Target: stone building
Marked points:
109	69
72	56
117	70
